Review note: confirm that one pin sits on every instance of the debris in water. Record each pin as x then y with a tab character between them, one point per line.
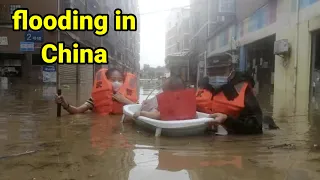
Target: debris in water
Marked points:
253	161
285	146
19	154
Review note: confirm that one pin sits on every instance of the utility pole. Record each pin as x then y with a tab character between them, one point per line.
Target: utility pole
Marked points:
208	34
57	66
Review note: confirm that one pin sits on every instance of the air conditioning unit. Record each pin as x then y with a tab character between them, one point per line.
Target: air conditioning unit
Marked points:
281	47
221	18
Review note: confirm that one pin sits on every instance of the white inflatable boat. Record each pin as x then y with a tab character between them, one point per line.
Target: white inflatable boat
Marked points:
171	128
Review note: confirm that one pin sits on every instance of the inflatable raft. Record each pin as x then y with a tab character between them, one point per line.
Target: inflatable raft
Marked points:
171	128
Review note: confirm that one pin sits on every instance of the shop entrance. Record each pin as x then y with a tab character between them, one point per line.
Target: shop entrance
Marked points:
260	63
315	70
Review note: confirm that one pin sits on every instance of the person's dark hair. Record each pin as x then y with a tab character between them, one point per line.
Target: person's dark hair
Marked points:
111	70
175	83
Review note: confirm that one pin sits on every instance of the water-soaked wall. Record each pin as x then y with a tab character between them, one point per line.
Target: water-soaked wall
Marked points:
286	100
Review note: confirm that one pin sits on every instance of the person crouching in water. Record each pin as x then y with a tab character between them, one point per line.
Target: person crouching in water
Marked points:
231	101
150	107
106	96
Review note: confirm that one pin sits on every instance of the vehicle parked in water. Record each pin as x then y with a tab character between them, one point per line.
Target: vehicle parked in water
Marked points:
9	72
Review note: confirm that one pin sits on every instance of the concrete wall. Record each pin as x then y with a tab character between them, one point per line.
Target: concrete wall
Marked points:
286	100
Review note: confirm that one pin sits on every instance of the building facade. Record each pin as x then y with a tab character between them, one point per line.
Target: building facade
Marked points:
123	47
250	36
198	39
177	42
177	31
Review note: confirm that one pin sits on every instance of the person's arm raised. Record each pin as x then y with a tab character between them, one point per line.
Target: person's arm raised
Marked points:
69	108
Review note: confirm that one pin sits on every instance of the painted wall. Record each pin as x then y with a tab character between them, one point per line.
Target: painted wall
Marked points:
263	17
303	4
260	19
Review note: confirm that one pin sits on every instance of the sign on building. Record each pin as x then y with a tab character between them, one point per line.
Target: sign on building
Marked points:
26	46
34	36
37	45
227	6
3	40
49	74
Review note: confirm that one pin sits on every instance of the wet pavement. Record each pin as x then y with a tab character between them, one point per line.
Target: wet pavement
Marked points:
34	144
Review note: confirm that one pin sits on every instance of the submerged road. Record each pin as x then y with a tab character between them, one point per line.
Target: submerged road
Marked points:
34	144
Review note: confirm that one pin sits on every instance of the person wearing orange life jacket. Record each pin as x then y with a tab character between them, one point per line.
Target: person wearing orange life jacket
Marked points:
111	91
150	107
230	100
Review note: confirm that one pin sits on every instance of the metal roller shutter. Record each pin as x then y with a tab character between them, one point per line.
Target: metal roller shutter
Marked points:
86	73
68	73
86	79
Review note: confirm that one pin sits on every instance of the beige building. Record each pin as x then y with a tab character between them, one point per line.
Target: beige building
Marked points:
289	78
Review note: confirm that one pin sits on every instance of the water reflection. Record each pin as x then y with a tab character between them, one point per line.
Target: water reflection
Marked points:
88	146
147	167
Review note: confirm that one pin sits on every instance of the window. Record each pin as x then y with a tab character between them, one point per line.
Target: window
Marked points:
13	7
227	6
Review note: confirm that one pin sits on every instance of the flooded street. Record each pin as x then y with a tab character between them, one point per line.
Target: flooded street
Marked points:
34	144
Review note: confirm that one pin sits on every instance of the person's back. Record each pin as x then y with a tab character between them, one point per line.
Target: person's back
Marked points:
150	108
169	84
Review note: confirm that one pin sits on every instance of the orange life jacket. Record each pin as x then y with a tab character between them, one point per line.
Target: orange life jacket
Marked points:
219	102
102	93
203	99
177	105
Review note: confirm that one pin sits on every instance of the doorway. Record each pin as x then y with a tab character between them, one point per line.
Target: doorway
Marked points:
315	70
260	63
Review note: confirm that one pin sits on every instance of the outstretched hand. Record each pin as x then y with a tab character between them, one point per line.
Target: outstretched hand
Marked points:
219	118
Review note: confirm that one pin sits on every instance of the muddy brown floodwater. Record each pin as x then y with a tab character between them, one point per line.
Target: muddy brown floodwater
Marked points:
34	144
